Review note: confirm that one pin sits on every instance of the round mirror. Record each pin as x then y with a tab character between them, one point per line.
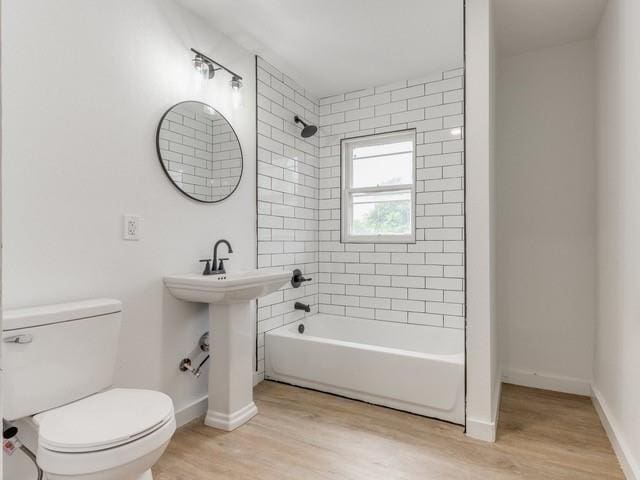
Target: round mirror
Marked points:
199	151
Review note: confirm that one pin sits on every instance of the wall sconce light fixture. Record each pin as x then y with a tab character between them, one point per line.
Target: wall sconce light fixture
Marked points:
207	67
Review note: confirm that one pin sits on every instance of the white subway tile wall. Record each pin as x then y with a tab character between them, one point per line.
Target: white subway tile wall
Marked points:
299	203
200	151
287	197
421	282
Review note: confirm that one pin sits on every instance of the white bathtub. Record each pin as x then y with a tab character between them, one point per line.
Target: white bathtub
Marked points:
415	368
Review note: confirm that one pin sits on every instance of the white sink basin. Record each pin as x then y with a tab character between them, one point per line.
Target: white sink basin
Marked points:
232	336
226	288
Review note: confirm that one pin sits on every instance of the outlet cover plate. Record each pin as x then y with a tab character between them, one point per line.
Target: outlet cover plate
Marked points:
131	227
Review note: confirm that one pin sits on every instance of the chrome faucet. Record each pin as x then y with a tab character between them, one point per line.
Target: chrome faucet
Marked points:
218	268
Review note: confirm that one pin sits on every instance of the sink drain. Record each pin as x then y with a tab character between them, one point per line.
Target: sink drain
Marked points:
301	328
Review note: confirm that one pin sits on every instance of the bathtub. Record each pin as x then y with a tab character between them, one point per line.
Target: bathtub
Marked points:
415	368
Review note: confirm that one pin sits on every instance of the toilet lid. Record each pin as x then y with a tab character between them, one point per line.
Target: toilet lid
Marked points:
104	420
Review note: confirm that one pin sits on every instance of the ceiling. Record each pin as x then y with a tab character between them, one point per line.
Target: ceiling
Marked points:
334	46
527	25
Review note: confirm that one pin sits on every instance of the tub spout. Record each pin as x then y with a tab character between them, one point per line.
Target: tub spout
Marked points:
302	306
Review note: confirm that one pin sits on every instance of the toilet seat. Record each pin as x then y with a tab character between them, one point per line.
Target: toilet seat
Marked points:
104	431
104	420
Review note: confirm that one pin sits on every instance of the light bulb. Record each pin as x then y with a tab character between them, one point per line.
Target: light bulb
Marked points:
204	69
236	95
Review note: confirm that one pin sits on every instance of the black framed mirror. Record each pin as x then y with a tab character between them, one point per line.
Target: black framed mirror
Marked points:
199	151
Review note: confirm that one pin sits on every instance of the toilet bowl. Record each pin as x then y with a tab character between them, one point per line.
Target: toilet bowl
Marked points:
59	363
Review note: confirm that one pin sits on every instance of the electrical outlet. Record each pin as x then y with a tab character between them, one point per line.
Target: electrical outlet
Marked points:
131	227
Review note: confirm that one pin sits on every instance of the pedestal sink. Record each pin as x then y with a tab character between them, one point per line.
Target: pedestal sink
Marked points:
230	332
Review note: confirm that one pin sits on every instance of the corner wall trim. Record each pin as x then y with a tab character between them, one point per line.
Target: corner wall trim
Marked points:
576	386
497	398
192	411
630	465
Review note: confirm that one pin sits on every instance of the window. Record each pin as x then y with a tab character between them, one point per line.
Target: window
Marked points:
378	188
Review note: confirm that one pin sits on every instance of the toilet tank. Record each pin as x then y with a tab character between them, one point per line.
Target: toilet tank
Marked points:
56	354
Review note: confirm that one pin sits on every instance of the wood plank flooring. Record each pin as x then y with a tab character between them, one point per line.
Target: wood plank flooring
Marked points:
305	435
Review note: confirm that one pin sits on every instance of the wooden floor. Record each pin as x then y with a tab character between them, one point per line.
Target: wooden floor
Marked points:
305	435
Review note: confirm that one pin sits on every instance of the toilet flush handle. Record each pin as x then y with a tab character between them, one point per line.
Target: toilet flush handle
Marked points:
24	338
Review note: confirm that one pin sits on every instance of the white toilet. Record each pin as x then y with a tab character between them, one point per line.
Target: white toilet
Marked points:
58	364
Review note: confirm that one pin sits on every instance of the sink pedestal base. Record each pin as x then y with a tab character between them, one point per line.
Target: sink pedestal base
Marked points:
231	366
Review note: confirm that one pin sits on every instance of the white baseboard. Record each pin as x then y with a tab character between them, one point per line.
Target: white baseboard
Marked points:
576	386
230	421
482	429
192	411
630	466
257	378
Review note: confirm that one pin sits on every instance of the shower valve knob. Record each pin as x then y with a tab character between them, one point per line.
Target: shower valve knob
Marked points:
297	278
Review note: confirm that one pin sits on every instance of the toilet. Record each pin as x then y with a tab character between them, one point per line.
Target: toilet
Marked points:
59	362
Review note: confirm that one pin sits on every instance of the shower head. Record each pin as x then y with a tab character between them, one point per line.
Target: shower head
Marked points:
307	130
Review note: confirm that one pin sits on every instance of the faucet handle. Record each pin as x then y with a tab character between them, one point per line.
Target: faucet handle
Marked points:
221	264
298	278
207	267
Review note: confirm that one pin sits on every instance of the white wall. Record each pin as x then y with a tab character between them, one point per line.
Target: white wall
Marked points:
617	356
545	227
483	379
85	84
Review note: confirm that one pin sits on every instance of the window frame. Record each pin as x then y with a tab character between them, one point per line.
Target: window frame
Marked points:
346	173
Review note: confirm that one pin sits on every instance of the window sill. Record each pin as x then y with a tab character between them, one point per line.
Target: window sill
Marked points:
378	239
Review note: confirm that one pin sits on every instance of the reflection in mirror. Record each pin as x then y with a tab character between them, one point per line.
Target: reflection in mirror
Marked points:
199	151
